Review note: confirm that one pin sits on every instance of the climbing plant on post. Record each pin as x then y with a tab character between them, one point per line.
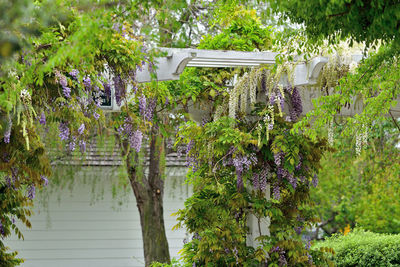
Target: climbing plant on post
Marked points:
233	162
243	151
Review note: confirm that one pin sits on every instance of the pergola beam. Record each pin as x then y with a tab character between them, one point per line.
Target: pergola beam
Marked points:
172	65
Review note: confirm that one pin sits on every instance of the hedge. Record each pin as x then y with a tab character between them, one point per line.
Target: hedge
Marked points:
363	248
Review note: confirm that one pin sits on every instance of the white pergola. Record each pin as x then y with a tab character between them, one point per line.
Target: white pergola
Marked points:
176	60
306	73
172	66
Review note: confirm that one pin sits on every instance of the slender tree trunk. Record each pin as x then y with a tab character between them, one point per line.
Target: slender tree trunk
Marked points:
149	191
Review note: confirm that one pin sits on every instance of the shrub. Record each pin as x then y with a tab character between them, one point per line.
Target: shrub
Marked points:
364	248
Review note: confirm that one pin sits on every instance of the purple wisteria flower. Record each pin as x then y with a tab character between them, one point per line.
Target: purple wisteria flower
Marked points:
300	219
263	179
256	182
235	252
135	88
142	104
7	133
196	236
299	164
275	249
170	144
298	229
71	145
308	245
82	146
96	116
107	89
7	136
74	74
120	89
278	158
62	80
136	140
44	179
315	180
282	259
243	162
272	99
297	106
310	259
283	173
204	121
149	112
127	126
292	180
117	27
64	131
87	82
42	119
1	229
276	192
66	91
81	128
191	158
179	151
97	96
8	181
31	191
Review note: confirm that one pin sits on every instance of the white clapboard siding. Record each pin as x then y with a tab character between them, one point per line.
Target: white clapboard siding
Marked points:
84	225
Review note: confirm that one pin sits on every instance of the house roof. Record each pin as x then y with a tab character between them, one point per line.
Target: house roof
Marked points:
107	154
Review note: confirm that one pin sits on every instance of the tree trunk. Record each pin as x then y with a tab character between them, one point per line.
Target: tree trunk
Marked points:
149	191
155	243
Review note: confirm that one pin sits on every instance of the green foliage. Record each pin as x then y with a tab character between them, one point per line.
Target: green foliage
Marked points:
361	21
374	86
361	190
242	31
174	263
363	248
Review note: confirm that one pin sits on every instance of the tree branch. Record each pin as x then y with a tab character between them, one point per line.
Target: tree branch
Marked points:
338	14
394	120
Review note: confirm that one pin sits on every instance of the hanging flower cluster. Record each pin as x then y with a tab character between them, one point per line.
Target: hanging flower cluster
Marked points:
361	139
120	89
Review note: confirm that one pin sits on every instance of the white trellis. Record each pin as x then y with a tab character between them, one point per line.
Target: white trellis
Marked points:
176	60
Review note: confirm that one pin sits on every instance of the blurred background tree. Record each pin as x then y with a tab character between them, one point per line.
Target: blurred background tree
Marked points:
361	190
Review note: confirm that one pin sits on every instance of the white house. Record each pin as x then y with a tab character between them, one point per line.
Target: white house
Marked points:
82	224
